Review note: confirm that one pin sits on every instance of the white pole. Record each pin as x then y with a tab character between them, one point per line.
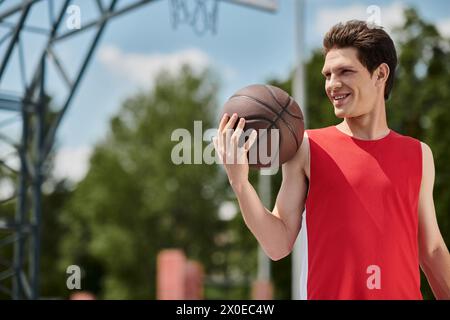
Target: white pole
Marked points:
264	190
299	95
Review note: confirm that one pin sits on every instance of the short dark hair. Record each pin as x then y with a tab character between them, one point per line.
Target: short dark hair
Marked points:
373	44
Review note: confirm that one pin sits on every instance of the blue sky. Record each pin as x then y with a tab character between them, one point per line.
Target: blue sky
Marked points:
250	46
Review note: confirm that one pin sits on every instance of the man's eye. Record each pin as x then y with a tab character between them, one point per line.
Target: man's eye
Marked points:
346	71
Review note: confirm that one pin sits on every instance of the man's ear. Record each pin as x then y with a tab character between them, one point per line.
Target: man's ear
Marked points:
382	73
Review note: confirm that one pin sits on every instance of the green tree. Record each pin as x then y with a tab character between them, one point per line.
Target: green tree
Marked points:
52	278
135	201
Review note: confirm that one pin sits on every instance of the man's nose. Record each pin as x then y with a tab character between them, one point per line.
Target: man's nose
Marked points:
334	82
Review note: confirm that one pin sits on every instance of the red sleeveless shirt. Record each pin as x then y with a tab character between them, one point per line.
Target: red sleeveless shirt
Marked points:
360	222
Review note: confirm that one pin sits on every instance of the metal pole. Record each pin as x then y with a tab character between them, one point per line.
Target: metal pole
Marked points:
14	38
19	7
299	95
19	248
264	190
49	139
37	183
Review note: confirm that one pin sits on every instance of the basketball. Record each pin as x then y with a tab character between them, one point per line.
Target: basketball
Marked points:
264	108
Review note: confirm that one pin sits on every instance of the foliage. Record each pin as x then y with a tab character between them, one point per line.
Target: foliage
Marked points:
135	201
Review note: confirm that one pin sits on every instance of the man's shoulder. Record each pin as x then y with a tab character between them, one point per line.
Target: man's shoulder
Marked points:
403	137
427	154
415	143
411	148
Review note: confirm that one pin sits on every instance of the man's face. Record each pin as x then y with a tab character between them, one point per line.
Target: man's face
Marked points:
348	84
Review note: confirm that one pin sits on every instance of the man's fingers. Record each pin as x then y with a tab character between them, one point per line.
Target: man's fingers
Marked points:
223	122
219	155
231	122
238	132
251	139
225	139
228	139
227	131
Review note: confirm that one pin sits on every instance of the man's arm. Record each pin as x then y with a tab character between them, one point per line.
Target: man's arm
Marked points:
275	231
433	253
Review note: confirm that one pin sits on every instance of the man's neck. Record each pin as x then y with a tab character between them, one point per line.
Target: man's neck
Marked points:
370	126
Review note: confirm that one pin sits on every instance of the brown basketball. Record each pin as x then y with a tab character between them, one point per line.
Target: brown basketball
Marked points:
267	107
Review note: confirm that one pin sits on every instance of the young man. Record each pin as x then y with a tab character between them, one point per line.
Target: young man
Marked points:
366	192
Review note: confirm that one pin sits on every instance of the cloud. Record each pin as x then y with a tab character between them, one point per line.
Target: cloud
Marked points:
142	69
72	163
390	16
6	189
444	27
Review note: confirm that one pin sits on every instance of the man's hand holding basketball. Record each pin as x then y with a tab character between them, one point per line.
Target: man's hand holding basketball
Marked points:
232	153
270	229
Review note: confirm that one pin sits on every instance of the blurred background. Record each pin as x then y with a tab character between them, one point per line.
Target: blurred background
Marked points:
90	94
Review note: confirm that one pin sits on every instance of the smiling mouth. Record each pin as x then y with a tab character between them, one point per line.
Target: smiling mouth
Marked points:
340	96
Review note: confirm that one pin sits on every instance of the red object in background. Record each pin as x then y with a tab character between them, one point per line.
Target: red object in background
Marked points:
82	295
178	278
171	273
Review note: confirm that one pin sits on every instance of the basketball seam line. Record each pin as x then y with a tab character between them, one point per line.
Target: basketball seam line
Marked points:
284	108
272	123
278	115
